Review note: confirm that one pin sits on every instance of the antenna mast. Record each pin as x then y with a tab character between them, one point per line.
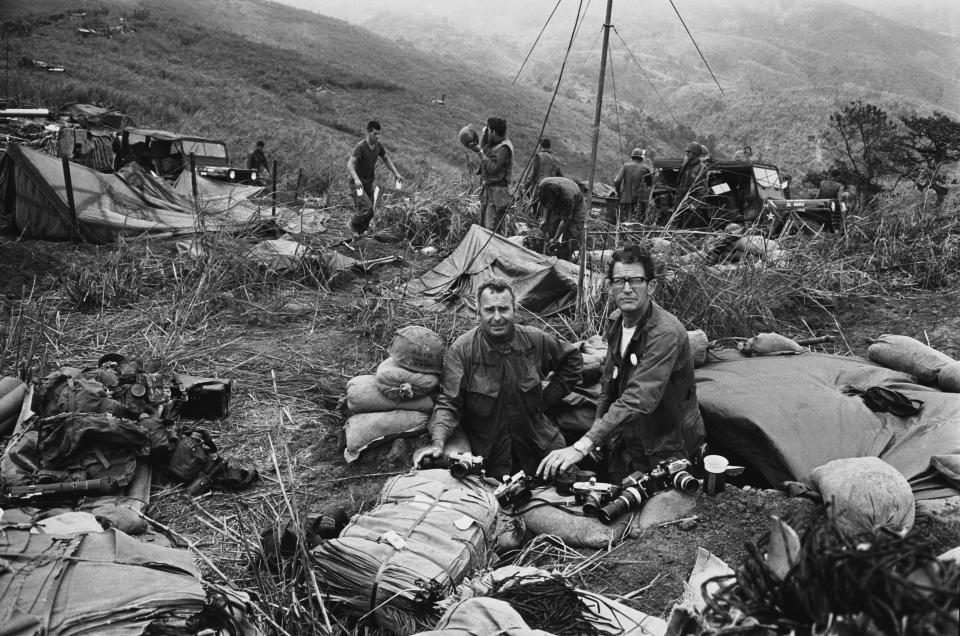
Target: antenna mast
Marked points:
581	296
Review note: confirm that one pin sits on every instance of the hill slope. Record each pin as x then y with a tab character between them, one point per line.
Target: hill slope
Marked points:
306	83
784	66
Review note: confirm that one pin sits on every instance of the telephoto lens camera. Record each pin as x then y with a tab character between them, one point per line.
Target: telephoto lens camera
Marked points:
514	491
463	464
594	495
637	488
675	474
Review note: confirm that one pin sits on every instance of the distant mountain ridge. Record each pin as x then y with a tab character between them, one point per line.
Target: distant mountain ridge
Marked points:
784	65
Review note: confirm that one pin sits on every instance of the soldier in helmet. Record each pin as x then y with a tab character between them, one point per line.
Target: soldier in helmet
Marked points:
631	185
492	387
693	181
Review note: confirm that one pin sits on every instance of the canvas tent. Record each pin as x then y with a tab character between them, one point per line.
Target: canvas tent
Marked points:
545	285
786	415
34	202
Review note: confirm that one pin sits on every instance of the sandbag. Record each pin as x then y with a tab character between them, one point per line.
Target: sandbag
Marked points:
12	392
398	383
398	559
903	353
367	429
698	347
949	467
364	396
948	378
541	515
769	344
864	493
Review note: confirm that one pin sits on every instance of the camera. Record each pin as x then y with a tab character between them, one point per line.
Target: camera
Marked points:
675	474
463	464
638	487
594	495
514	490
630	498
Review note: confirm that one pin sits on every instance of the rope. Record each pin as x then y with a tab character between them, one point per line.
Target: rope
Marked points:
530	52
697	46
553	98
647	77
616	105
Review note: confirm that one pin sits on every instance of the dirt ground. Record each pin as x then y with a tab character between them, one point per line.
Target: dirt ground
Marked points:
303	426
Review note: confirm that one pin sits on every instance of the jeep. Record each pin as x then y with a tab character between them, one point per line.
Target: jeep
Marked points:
168	154
739	192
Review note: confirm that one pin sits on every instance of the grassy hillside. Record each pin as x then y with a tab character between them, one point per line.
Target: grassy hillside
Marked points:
784	66
305	83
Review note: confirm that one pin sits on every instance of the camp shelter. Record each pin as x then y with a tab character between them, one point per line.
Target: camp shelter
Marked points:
217	196
544	285
34	202
786	415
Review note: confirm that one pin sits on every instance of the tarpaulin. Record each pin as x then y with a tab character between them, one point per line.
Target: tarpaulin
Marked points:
96	583
33	194
787	415
544	284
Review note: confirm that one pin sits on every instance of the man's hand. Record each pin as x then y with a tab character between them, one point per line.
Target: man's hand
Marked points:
434	450
559	461
357	184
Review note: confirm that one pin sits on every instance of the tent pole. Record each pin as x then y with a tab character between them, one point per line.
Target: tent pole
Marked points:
273	176
581	296
193	177
68	182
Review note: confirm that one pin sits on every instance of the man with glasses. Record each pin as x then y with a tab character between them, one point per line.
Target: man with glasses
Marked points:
362	166
648	410
492	387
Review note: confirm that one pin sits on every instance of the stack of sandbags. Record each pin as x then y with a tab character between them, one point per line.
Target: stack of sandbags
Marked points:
410	551
397	400
928	365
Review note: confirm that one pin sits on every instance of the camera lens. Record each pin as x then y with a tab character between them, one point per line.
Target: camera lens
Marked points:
685	482
630	498
591	507
459	469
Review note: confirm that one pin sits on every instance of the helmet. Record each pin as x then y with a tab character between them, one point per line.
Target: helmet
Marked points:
637	152
469	136
693	147
417	349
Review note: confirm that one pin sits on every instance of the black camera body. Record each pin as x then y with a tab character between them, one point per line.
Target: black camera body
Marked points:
674	474
464	464
514	491
594	495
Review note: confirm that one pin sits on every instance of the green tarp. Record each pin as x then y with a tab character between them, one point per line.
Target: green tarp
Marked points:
34	202
787	415
544	284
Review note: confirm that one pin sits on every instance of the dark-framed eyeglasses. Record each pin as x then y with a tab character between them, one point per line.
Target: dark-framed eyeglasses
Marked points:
635	281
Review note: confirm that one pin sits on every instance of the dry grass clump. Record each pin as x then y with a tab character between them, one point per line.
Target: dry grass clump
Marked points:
438	213
907	245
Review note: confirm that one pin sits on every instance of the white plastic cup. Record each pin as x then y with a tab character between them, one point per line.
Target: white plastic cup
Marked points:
716	467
